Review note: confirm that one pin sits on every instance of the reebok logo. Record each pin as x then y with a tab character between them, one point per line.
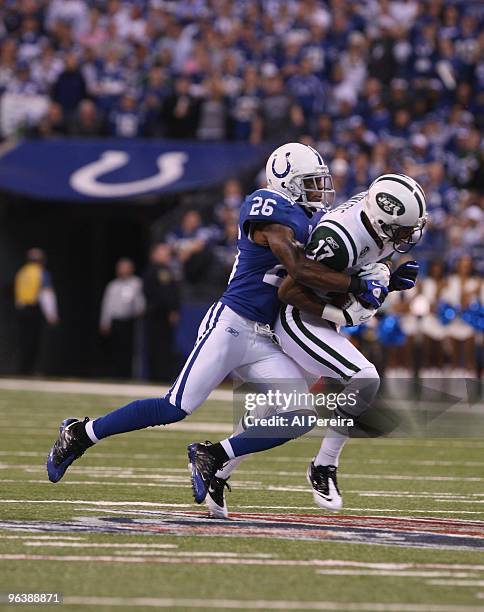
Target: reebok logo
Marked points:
232	331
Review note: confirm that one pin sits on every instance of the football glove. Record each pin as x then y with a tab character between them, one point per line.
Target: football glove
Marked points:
375	271
357	313
372	293
354	314
404	277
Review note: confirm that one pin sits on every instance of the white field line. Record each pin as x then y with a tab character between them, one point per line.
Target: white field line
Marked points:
461	583
181	483
155	549
400	573
41	537
98	388
64	544
261	507
33	468
195	427
354	567
97	452
216	560
240	604
245	507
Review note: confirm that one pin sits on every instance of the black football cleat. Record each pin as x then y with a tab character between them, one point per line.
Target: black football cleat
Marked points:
69	446
324	484
215	500
203	466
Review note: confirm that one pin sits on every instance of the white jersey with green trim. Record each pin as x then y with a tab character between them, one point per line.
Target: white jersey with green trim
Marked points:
341	241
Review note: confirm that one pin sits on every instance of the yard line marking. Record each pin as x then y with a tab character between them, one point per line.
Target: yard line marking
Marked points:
464	583
237	507
237	604
199	426
182	483
66	544
99	453
245	507
401	573
97	388
439	569
175	481
205	559
402	566
41	537
143	547
347	475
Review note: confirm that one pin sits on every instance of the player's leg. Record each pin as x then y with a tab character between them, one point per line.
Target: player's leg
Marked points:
267	367
318	347
216	494
215	354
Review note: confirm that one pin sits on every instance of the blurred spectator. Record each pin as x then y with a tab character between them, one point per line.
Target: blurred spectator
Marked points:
162	296
245	106
225	250
192	245
280	118
52	124
126	120
212	124
462	288
88	122
70	87
181	111
35	302
122	305
229	208
307	89
432	328
156	90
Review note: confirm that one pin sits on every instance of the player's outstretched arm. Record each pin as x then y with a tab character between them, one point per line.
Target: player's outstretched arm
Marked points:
280	239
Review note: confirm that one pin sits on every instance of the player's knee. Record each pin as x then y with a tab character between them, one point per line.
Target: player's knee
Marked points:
364	386
370	374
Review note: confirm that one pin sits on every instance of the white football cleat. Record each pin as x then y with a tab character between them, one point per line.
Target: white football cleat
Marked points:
215	500
324	484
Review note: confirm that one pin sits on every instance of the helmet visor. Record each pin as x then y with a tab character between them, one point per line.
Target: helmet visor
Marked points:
404	237
318	190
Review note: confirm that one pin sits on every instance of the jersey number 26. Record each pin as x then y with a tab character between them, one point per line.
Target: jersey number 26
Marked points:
260	206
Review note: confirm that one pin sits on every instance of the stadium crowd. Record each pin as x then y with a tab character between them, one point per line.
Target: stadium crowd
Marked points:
375	86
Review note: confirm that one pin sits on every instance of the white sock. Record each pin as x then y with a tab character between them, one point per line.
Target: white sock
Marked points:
228	448
229	467
90	432
330	449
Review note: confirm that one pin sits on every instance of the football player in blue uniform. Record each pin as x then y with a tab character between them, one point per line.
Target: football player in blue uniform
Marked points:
236	333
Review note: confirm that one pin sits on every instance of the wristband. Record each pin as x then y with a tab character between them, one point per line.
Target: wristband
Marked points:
336	315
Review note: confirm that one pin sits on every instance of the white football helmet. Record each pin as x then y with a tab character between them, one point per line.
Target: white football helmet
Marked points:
397	210
299	171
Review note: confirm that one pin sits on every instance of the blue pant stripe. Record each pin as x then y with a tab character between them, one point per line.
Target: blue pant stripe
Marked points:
189	366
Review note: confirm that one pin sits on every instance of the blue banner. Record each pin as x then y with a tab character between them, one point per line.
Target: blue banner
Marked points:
103	170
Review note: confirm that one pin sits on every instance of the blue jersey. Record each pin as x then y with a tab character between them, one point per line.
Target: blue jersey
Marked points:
257	273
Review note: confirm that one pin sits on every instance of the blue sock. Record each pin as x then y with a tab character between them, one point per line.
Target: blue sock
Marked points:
137	415
260	438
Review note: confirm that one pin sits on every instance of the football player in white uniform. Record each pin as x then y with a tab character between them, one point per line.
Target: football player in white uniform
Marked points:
355	238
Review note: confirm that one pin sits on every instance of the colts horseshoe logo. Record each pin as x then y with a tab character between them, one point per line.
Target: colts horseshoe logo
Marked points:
286	171
86	179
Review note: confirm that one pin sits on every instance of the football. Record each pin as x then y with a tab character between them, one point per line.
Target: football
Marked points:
342	300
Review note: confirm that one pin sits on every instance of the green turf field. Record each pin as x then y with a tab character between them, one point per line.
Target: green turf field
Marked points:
120	530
